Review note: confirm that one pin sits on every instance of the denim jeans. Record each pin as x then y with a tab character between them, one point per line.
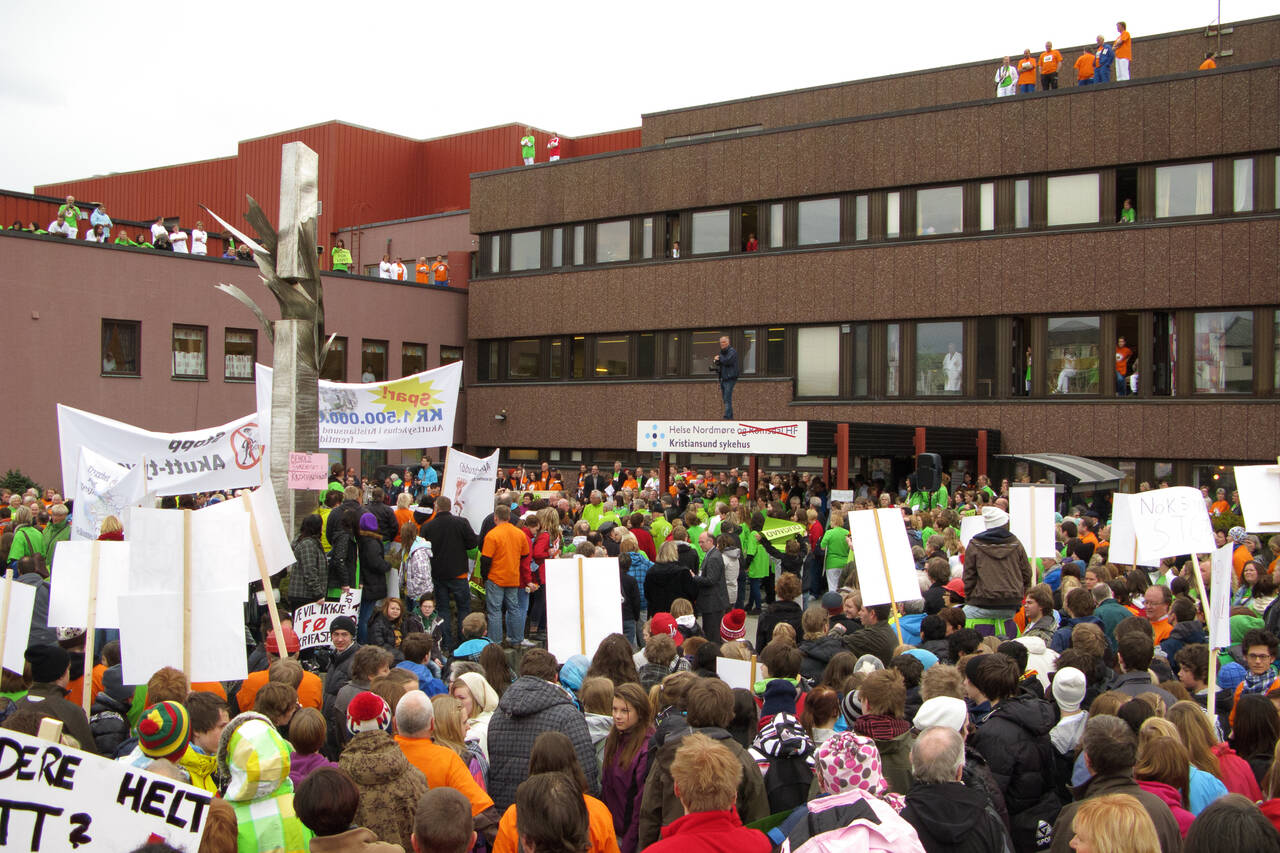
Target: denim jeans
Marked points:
496	600
1023	88
753	603
454	594
366	613
726	391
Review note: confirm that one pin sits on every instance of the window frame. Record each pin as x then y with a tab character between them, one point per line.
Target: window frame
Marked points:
173	352
344	347
253	355
386	358
136	326
1049	225
405	345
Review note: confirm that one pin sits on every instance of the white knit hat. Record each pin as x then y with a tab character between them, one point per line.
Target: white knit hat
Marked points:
945	711
1068	689
994	516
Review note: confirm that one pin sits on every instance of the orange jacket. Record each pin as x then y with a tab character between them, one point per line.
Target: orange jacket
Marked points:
310	690
599	829
444	769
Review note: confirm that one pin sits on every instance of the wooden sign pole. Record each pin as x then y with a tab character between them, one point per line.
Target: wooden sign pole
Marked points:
267	590
753	674
884	565
90	621
186	593
582	611
1213	653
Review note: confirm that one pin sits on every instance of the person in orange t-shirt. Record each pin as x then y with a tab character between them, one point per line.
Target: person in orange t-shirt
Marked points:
504	573
423	271
1049	62
1220	506
1209	64
1123	356
1086	63
1123	46
1026	72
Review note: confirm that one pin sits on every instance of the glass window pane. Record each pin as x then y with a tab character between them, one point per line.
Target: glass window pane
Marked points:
818	361
939	363
557	247
1242	192
673	364
613	356
1073	199
986	355
189	351
1224	352
413	359
239	350
556	369
646	241
776	351
526	250
747	358
1022	204
120	340
940	211
484	368
373	358
1071	361
893	343
819	221
613	241
578	357
524	357
703	347
335	362
987	213
579	244
493	360
646	352
860	218
710	232
860	366
892	214
776	226
495	252
448	355
1185	190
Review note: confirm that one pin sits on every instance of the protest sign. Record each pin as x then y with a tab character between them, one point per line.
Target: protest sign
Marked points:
1259	488
844	496
19	600
469	484
1220	602
584	604
55	797
277	549
210	648
971	526
1173	521
781	528
399	414
1125	549
737	673
308	470
177	463
103	488
311	621
768	437
1031	519
69	589
886	569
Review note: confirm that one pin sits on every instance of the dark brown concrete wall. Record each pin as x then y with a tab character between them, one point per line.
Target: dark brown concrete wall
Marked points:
1170	53
1158	267
1162	430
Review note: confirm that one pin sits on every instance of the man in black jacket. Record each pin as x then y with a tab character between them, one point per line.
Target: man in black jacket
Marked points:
388	528
451	537
726	365
594	482
340	530
947	814
876	636
713	594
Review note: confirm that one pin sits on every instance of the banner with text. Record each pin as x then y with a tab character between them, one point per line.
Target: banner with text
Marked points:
103	488
400	414
757	437
55	797
470	482
178	463
311	621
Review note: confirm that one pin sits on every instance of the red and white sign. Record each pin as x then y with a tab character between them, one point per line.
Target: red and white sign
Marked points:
741	437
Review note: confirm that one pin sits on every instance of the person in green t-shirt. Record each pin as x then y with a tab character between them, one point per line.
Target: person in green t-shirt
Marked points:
1127	214
835	544
527	146
69	215
341	257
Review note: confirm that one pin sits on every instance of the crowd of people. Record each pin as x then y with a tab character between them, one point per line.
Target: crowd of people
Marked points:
1017	704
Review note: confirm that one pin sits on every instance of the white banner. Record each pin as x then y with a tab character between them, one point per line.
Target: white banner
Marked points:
311	621
400	414
1259	488
1031	519
103	488
55	797
470	483
178	463
756	437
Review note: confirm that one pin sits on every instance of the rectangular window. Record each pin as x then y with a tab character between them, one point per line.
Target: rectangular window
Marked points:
646	353
1071	361
892	214
1242	190
860	217
939	359
578	357
710	232
1275	337
121	348
1185	190
413	359
703	347
613	355
893	358
646	238
986	354
777	227
940	211
818	221
987	207
335	363
861	366
747	358
776	350
1224	352
674	347
1022	203
239	349
613	242
556	370
448	355
579	245
190	351
818	361
373	361
495	252
486	360
526	250
524	358
1073	199
557	247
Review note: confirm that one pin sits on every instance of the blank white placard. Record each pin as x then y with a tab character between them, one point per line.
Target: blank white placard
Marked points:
1031	519
69	589
874	575
1259	488
598	608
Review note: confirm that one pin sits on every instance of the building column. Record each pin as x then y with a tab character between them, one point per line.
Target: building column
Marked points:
754	474
663	476
982	452
919	439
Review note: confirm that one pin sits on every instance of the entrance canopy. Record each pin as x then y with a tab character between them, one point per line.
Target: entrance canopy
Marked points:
1076	472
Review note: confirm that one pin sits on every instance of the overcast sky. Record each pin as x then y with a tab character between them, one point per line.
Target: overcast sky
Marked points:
92	88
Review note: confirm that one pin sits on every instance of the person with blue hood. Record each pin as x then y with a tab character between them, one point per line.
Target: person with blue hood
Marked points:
1079	605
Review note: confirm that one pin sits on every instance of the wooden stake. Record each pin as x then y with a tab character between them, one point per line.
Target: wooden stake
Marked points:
186	593
50	730
87	691
582	610
1213	653
753	673
884	564
266	577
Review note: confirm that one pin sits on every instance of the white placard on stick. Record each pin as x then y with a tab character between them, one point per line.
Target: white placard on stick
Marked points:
737	673
103	488
60	798
469	483
17	626
1259	488
151	635
276	546
222	555
971	526
1220	597
1031	519
312	622
844	496
886	569
1173	521
584	604
69	589
1125	548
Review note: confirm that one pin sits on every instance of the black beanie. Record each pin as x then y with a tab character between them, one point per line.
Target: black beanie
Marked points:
48	663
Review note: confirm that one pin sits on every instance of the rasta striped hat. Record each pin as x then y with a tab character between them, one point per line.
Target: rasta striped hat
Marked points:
164	730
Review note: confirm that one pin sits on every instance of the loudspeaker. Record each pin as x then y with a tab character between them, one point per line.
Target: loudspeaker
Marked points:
928	472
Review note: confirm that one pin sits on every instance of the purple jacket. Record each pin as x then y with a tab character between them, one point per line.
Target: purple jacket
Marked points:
301	765
621	789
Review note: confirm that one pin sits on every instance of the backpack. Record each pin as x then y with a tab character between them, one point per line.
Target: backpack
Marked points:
417	573
787	782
